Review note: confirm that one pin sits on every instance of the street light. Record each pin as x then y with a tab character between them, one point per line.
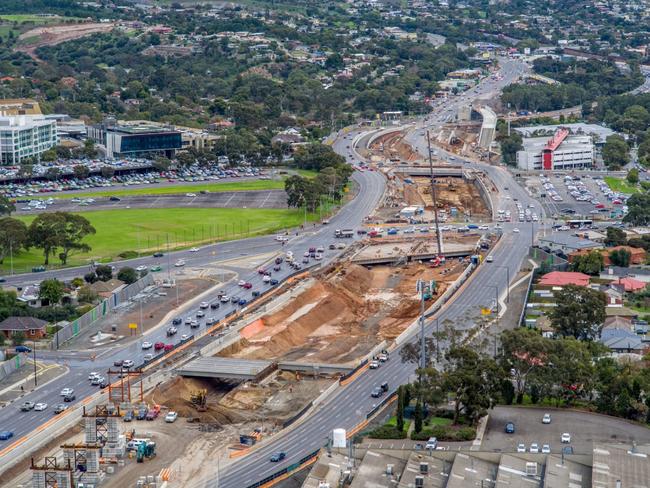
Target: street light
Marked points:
496	293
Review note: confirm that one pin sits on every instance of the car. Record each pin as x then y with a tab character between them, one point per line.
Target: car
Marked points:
242	302
199	314
5	435
204	305
142	413
248	285
515	230
69	398
432	443
39	407
103	383
534	448
191	195
273	282
241	283
546	419
224	299
118	363
376	392
546	449
177	321
256	293
521	447
60	408
171	417
278	456
489	258
147	345
185	337
66	391
153	413
194	249
169	347
147	357
374	364
96	380
565	438
22	349
27	406
179	263
510	428
214	305
128	363
128	416
141	268
158	254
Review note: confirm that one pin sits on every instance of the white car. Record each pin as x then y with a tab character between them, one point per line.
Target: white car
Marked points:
194	249
93	375
148	357
39	407
241	283
432	443
521	447
127	363
566	438
141	268
184	337
546	419
66	392
534	448
179	263
515	230
147	345
489	258
374	364
546	449
171	417
191	195
204	305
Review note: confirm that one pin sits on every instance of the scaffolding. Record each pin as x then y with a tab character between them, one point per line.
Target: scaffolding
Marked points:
52	475
120	385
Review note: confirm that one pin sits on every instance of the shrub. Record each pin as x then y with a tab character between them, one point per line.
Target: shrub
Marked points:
422	436
387	432
451	433
128	254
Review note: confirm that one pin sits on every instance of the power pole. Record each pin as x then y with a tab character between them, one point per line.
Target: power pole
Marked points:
434	198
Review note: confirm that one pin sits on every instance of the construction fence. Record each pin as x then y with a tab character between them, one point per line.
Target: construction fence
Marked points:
11	365
118	298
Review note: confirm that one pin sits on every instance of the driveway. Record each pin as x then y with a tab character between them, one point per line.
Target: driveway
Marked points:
586	429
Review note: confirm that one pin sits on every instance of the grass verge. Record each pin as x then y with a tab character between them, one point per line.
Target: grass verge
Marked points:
147	230
620	185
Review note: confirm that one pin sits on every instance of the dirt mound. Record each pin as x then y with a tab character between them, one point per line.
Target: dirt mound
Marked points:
175	394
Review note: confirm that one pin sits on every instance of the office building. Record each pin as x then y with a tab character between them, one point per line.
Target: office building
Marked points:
136	141
562	151
25	136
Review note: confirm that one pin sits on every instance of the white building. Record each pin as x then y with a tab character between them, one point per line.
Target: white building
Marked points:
560	152
25	136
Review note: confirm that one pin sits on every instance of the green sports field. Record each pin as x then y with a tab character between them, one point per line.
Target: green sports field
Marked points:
147	230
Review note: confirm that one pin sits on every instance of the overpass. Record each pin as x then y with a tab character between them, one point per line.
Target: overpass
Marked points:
488	128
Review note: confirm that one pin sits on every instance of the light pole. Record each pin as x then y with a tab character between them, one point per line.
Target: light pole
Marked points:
35	372
496	295
507	282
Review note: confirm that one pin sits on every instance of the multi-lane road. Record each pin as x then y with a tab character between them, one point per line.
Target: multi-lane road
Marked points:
349	406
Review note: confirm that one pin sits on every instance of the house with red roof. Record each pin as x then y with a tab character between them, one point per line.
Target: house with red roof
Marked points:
564	278
631	285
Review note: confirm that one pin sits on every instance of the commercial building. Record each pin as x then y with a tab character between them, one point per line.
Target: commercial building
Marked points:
136	141
562	151
25	136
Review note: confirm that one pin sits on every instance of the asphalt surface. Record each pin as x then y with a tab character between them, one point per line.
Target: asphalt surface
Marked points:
586	430
230	199
349	406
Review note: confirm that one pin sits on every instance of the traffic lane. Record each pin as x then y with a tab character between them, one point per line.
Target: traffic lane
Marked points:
586	429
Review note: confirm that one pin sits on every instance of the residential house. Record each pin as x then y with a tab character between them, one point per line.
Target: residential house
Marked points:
566	243
618	272
631	285
622	341
29	295
564	278
32	327
615	293
105	289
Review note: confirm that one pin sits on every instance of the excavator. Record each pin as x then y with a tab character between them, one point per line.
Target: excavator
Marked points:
146	450
198	398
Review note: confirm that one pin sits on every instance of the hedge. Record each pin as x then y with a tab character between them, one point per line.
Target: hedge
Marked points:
387	432
446	433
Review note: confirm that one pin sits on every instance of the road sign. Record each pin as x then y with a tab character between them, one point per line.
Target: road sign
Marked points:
133	326
486	311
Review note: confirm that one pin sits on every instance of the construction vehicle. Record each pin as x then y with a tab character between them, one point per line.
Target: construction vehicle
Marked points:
198	398
146	450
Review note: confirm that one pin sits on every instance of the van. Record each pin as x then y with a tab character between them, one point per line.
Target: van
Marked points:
133	444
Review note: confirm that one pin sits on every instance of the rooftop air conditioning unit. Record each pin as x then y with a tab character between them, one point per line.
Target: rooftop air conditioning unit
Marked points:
424	468
389	469
531	469
419	481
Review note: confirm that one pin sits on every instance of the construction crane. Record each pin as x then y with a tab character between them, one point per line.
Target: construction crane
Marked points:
198	398
146	450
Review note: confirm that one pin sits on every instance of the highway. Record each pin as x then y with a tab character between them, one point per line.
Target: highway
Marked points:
371	187
349	406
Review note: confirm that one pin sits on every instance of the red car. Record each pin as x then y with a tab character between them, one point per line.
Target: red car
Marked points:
248	285
159	345
169	347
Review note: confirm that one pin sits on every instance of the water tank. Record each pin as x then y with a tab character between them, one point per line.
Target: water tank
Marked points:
338	438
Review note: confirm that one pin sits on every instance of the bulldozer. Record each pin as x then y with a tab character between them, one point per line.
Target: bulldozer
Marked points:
146	450
198	398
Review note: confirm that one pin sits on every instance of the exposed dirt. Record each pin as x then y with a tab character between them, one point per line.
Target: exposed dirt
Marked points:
341	317
391	146
450	192
55	34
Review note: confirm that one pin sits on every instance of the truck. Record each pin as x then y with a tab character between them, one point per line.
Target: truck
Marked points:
344	233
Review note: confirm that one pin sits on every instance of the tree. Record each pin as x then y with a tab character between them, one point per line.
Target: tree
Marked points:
474	380
18	338
316	157
638	209
418	417
60	230
620	257
90	277
104	272
89	149
6	206
400	408
81	171
579	312
76	228
45	233
161	163
51	290
53	173
591	263
615	237
509	147
13	237
128	275
49	155
616	152
525	352
633	176
107	171
87	295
